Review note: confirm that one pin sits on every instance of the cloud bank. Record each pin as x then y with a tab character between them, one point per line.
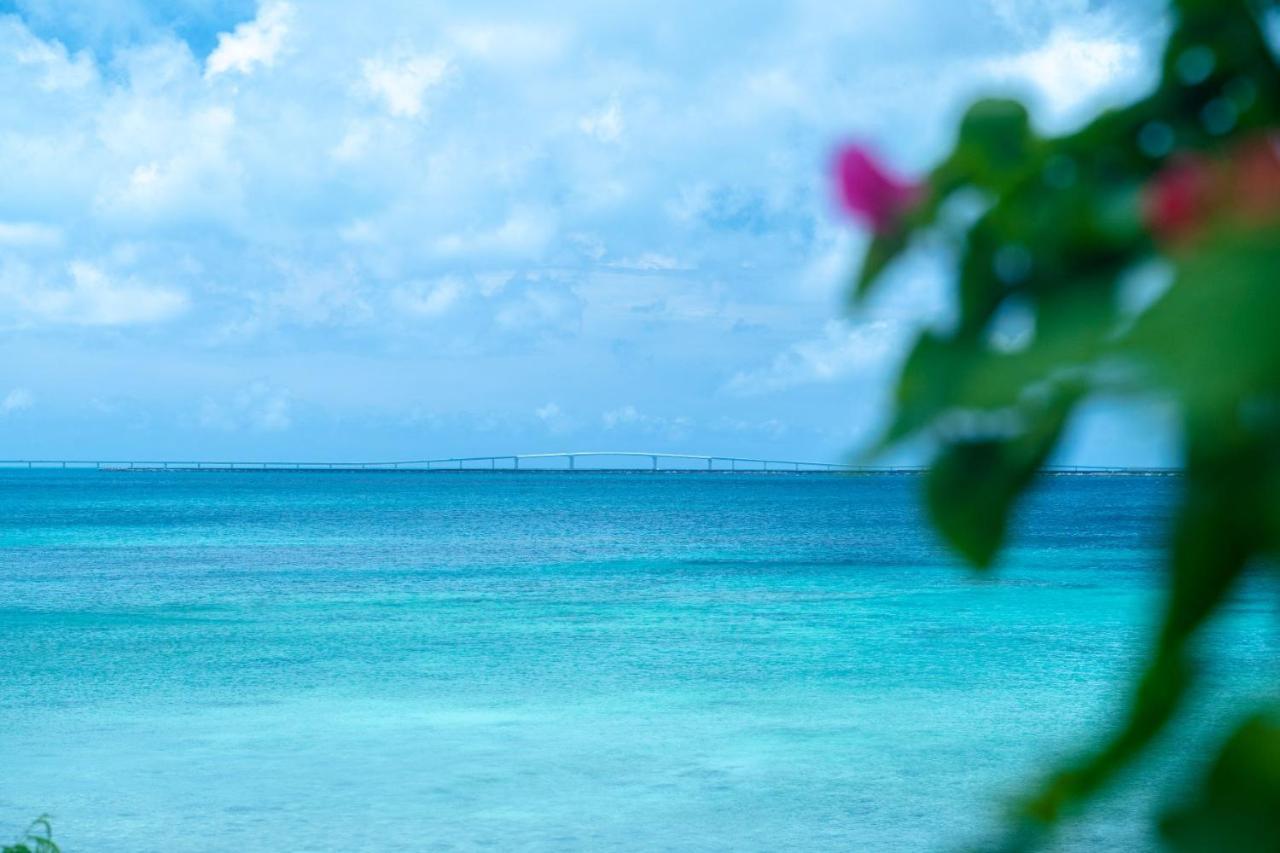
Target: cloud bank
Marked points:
431	222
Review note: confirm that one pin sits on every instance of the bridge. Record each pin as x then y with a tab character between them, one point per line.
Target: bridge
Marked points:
575	460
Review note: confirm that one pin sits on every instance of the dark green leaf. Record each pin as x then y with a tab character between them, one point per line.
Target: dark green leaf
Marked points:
994	148
1158	696
972	485
881	252
1212	338
1063	220
1237	806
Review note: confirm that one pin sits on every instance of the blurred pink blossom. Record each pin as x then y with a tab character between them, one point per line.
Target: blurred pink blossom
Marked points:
1241	187
868	191
1255	186
1178	200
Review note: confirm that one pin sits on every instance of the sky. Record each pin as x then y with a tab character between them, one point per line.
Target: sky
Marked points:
396	230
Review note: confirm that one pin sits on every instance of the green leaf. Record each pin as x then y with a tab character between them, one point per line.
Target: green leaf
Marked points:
942	374
1215	535
994	148
39	834
881	251
1159	694
1063	220
973	484
1212	338
927	385
1219	527
1237	805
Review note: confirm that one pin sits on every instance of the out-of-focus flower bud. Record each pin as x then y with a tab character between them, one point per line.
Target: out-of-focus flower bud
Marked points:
1240	188
1254	194
1179	199
868	191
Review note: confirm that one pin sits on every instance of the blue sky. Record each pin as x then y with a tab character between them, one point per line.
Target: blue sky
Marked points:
398	229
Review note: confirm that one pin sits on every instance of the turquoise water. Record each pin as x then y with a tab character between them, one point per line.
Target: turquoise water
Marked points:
202	662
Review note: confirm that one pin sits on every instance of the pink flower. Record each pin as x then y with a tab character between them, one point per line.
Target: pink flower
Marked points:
870	192
1179	199
1240	188
1255	184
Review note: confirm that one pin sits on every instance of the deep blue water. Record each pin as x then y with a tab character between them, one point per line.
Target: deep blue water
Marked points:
221	661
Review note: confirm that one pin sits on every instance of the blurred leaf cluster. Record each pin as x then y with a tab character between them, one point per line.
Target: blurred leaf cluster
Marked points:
37	839
1181	188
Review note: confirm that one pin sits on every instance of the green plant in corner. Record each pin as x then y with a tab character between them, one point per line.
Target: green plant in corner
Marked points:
1185	181
37	839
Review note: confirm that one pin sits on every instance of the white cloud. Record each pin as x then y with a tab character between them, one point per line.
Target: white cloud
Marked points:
525	231
428	298
303	297
360	231
402	84
774	89
256	42
838	353
92	298
57	70
16	400
632	419
176	164
605	125
649	262
515	44
620	417
554	418
258	406
355	141
1071	68
493	283
770	427
29	234
626	202
538	308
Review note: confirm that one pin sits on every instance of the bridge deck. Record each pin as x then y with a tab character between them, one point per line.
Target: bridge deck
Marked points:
584	460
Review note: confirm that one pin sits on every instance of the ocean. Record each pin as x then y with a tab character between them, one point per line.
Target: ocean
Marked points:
556	661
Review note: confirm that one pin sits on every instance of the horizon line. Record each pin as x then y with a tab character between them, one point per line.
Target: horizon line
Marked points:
512	462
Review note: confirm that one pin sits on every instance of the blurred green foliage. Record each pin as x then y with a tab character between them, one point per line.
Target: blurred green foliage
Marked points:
37	839
1185	180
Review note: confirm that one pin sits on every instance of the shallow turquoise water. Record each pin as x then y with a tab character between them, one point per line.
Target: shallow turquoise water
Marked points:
202	661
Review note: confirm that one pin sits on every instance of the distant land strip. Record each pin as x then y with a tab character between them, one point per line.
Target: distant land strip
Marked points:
595	461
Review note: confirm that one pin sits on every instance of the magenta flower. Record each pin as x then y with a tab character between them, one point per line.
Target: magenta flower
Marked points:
1191	191
1178	201
870	192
